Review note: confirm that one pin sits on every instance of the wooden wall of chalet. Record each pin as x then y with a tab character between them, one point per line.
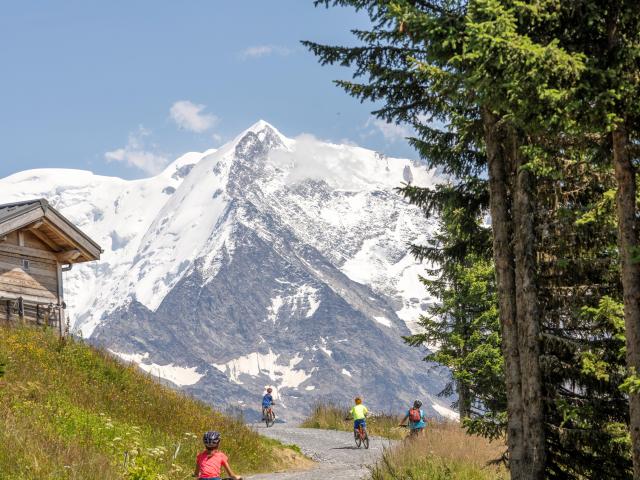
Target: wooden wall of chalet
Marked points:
29	270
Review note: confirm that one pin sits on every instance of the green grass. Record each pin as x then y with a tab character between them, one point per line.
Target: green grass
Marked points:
443	452
69	411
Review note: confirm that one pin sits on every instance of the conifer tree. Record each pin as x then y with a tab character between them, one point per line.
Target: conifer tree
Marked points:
606	99
583	335
506	78
464	321
420	57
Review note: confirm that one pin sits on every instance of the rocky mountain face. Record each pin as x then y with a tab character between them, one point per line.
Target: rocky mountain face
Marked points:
269	261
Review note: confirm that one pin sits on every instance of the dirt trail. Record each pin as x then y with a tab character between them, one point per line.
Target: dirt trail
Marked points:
336	453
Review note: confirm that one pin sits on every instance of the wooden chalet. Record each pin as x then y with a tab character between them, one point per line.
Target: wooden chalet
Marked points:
37	244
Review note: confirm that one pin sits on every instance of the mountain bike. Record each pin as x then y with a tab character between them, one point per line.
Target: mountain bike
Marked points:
269	417
361	437
413	432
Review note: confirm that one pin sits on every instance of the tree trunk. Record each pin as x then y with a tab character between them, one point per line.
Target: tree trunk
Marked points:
629	241
527	314
505	278
464	400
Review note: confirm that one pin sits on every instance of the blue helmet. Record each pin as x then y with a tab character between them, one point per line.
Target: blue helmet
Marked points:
211	439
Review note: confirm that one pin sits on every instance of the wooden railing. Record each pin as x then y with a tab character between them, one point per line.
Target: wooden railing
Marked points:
19	311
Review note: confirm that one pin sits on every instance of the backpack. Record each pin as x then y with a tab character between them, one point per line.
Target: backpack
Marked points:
414	415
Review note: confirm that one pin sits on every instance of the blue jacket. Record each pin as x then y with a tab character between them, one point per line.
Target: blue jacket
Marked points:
267	400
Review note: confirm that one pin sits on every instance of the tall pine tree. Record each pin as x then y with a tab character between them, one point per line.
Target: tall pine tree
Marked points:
609	38
463	323
504	77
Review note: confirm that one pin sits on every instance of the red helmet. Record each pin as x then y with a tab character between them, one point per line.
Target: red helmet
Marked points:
269	390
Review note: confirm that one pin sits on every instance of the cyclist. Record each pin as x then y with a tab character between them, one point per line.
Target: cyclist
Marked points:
267	402
417	421
359	414
210	461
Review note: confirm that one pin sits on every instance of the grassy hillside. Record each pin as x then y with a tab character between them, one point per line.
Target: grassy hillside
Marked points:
444	452
68	411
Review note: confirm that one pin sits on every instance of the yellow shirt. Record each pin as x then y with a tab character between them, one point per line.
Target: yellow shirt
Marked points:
358	412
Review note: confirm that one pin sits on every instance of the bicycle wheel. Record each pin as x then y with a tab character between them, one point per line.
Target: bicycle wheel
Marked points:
365	440
271	418
358	440
267	418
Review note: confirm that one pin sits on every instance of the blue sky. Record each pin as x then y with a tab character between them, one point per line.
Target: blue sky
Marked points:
120	87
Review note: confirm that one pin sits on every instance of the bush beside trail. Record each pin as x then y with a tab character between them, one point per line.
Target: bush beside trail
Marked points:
444	452
70	411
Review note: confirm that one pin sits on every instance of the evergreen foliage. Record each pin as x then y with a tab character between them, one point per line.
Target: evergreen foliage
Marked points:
464	322
522	107
586	413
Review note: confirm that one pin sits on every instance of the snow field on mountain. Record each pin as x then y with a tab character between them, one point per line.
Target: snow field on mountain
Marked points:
284	375
179	233
181	376
445	412
304	297
353	216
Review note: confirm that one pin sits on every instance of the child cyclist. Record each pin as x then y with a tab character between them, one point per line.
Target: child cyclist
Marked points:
210	461
416	418
267	401
359	414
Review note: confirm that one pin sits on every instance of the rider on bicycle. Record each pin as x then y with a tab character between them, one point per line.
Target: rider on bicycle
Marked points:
417	421
359	414
210	461
267	402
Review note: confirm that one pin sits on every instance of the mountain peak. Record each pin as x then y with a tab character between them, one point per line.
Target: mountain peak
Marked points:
261	125
257	140
263	129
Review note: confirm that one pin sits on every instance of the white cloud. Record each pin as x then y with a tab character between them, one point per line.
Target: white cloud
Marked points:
265	50
390	131
134	153
189	116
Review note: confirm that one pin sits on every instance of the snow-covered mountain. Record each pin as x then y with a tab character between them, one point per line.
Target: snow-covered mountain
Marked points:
269	261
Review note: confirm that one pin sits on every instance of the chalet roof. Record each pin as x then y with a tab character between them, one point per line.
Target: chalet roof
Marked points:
65	239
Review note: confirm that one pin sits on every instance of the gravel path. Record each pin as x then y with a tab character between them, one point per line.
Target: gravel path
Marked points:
336	453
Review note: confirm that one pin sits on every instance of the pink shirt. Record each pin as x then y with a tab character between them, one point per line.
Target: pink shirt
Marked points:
210	466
